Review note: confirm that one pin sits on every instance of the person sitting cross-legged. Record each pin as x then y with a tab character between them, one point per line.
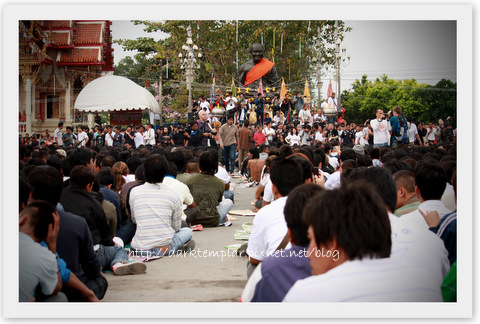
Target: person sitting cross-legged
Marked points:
207	191
157	210
77	199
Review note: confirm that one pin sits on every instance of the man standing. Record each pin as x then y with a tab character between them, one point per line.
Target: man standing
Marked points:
204	127
68	137
82	137
129	136
380	128
149	135
259	107
139	139
118	138
57	134
332	103
228	142
245	138
109	135
286	107
231	103
298	102
204	105
348	136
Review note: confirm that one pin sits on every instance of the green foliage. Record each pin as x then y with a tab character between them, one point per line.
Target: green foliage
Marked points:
217	40
421	101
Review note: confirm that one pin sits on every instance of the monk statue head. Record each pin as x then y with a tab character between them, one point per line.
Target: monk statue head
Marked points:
257	50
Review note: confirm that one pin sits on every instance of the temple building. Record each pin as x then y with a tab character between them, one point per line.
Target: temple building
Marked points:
57	59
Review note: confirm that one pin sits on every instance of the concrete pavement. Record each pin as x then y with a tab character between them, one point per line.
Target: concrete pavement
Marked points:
208	274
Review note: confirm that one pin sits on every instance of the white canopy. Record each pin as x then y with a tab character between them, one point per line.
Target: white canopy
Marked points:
115	93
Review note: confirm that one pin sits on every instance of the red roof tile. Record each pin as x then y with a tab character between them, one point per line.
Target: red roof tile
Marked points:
56	23
80	55
89	33
60	39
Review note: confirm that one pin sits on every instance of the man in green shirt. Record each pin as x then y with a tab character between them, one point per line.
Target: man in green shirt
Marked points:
68	137
207	191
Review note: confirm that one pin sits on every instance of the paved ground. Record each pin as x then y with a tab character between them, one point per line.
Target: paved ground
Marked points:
192	277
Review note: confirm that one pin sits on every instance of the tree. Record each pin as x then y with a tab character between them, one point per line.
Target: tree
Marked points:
293	43
421	101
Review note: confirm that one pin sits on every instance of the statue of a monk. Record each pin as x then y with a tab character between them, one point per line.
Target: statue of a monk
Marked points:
256	69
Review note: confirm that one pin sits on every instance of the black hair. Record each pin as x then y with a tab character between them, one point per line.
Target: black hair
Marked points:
306	165
348	154
106	177
396	165
81	175
40	217
246	123
208	162
375	153
24	189
172	170
108	160
54	161
133	163
286	174
178	157
381	179
155	168
80	156
124	156
297	199
255	153
360	226
46	183
140	173
431	179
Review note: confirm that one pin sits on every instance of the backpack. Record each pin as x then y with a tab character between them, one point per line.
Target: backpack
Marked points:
401	133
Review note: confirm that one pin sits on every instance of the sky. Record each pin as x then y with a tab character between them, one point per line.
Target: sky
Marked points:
420	50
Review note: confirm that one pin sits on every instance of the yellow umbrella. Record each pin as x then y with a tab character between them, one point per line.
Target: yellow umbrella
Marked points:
283	91
306	92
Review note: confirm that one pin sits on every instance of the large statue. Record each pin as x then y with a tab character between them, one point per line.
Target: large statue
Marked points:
256	69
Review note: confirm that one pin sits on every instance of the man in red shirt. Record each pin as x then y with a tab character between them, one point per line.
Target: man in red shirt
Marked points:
259	138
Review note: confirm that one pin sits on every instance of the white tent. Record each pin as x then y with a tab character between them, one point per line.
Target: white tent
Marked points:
115	93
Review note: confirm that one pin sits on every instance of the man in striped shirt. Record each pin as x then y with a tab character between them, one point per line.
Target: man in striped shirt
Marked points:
157	211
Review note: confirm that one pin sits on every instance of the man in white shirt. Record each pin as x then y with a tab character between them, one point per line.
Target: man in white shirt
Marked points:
269	226
269	133
139	139
109	135
188	213
157	211
360	267
430	183
432	133
82	137
204	104
380	128
149	135
332	103
304	114
231	102
57	134
278	118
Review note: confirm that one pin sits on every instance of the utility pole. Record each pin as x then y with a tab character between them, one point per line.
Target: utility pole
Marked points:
160	101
